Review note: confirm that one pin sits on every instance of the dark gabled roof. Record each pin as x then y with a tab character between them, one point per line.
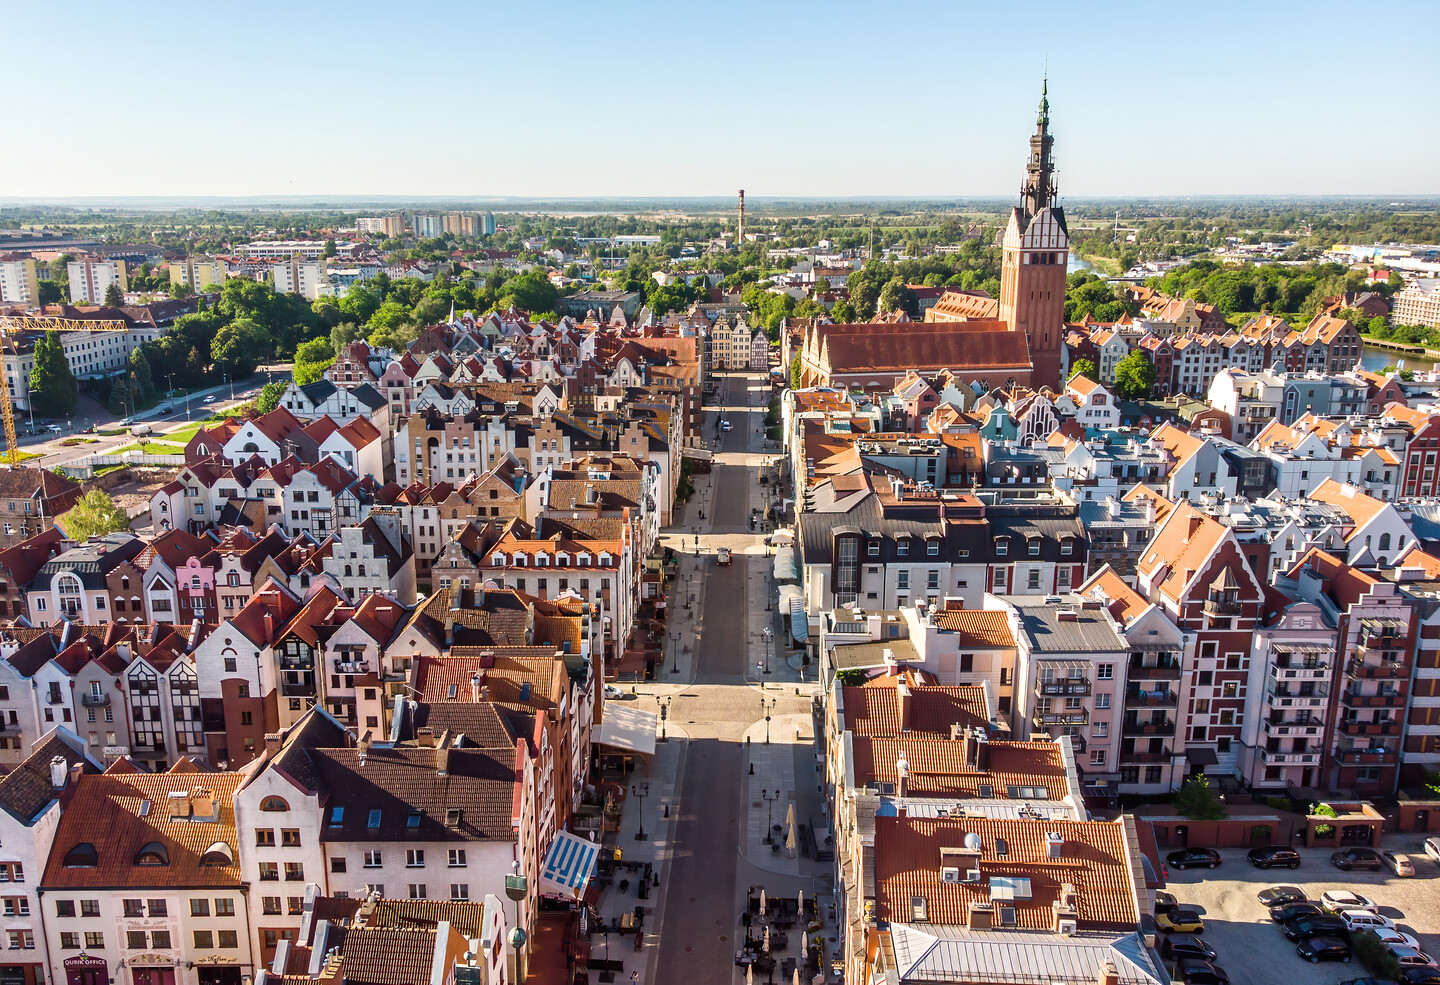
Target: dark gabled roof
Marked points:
315	730
91	561
319	391
369	396
26	790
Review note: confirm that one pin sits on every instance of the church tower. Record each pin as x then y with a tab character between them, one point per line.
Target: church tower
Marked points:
1036	250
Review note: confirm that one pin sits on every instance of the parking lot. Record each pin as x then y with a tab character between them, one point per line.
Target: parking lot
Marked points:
1254	951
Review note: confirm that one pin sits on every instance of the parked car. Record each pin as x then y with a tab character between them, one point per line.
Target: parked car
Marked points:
1180	921
1294	911
1186	858
1319	926
1367	981
1398	863
1317	949
1410	957
1336	900
1281	896
1179	946
1390	936
209	400
1165	902
614	693
1196	971
1356	858
1431	848
1269	858
1365	920
1420	976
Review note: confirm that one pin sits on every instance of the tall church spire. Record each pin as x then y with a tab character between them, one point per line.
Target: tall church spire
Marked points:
1038	191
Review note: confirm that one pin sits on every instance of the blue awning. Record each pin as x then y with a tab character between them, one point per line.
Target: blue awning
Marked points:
570	862
799	620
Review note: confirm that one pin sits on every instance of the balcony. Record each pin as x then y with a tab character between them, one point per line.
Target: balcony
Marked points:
1348	727
351	667
1303	695
1387	699
1164	727
1163	671
296	662
1385	670
1220	606
1074	716
9	730
89	700
1290	758
1067	688
1138	698
298	690
1364	756
1163	756
1378	636
1313	726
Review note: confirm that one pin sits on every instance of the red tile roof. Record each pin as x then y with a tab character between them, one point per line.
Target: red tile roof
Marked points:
937	767
976	627
876	711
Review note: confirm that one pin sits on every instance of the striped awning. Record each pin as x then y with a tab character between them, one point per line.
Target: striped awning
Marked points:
799	620
570	862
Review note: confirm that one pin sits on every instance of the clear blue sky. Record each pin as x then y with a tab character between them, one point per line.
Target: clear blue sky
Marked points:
807	100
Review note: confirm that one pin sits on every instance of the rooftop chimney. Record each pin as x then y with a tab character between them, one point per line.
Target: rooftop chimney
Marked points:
59	770
902	775
1149	510
981	748
442	753
475	682
364	746
425	736
1054	844
902	697
1108	974
272	743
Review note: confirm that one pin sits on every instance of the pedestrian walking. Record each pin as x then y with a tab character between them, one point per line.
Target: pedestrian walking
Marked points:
634	978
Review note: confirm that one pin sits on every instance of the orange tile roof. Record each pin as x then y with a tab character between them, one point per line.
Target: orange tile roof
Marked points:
1125	602
108	811
1184	542
1414	557
936	767
876	712
1360	506
1094	859
1344	583
976	627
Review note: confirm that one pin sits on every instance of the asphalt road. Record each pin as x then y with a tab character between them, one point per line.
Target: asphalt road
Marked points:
698	937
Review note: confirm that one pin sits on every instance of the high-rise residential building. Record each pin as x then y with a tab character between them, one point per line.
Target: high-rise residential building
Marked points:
462	223
488	224
91	277
1036	251
426	226
18	283
197	272
1418	303
370	224
307	278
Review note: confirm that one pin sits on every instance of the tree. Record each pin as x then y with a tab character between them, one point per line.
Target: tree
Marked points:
329	249
269	398
795	372
343	334
142	381
239	346
842	312
94	515
1198	802
51	381
114	297
894	295
1085	368
122	402
1134	377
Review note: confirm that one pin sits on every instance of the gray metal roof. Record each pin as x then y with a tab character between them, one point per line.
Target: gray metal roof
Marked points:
1091	631
1018	957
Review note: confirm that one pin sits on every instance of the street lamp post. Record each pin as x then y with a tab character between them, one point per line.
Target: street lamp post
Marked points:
641	791
664	714
768	637
766	707
769	796
675	653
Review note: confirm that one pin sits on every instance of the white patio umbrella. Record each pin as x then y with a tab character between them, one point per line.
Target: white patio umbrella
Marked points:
750	974
762	902
790	831
766	945
797	976
800	900
804	945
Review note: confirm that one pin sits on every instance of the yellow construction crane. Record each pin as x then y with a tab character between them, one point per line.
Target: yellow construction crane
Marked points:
11	324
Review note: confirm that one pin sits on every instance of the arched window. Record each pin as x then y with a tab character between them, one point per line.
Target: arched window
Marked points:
360	570
81	856
250	447
218	854
68	584
1385	541
348	571
153	854
274	804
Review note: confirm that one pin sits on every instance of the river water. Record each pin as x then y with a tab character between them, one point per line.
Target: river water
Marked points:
1377	359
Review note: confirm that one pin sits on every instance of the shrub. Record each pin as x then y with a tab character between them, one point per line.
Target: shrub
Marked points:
1374	955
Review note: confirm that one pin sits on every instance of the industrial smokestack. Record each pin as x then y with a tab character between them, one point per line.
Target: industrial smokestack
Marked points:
740	232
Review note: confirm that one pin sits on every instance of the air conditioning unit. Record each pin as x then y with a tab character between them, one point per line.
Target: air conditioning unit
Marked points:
949	873
1066	928
972	875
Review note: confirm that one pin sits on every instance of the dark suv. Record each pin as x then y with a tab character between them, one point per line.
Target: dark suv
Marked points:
1184	858
1304	927
1270	858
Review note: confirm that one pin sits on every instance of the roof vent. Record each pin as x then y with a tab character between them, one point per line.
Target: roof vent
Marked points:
1054	844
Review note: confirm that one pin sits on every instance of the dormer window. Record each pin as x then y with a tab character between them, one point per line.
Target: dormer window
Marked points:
217	855
1002	546
82	856
932	548
1034	544
902	547
153	854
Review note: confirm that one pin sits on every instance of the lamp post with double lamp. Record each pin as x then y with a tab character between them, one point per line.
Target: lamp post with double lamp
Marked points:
769	636
664	704
766	707
769	796
640	791
675	653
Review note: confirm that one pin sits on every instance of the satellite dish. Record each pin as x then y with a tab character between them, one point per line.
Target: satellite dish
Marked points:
972	841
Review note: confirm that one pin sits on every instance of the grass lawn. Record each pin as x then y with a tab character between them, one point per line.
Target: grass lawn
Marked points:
151	448
184	434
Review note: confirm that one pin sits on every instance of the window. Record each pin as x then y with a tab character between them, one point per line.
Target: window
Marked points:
457	858
372	858
295	871
1034	580
228	938
337	864
1097	757
459	891
1034	544
270	906
414	858
264	837
199	907
204	940
1002	546
1105	672
89	907
94	940
224	907
417	890
269	872
133	908
967	663
160	939
278	804
932	548
69	940
64	907
294	905
902	547
1100	730
1230	689
1102	700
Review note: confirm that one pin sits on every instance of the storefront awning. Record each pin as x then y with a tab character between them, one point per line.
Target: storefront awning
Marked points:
799	620
570	862
627	730
786	570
